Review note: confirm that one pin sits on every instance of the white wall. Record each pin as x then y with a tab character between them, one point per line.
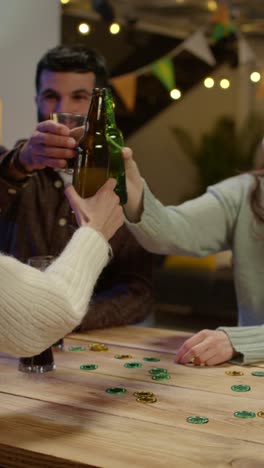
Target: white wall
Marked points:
27	29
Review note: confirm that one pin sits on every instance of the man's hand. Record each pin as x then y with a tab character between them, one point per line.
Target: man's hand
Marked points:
135	189
208	347
101	212
49	146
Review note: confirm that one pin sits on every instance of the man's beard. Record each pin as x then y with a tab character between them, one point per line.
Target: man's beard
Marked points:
40	116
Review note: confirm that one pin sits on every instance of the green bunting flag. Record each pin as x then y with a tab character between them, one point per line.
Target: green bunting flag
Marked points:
163	70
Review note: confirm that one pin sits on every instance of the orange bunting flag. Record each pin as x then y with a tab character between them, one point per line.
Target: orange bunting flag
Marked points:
223	25
260	90
126	88
222	14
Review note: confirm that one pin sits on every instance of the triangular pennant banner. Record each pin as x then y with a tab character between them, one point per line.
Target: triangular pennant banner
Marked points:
223	25
222	15
126	86
245	53
163	69
197	45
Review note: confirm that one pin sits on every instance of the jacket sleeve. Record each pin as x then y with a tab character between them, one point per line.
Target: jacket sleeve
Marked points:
9	189
124	292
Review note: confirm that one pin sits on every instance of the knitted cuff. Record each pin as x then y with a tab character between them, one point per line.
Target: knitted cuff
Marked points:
249	341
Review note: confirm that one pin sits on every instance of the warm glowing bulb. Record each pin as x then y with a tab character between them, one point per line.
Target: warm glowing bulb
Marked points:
114	28
209	82
224	83
180	1
175	94
255	77
64	2
84	28
212	5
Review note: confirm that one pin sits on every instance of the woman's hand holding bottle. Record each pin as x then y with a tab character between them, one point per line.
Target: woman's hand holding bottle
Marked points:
102	211
135	188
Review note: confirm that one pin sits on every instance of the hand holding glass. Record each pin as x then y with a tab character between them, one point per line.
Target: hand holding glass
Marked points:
71	120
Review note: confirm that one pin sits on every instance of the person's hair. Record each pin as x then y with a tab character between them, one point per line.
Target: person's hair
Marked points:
73	58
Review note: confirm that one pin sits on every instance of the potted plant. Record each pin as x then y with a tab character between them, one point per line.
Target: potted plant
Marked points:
225	150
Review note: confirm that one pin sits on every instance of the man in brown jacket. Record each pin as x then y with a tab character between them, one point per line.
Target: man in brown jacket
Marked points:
34	213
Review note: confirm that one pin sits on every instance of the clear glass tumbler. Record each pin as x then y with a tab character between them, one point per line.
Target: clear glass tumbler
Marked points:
71	120
44	361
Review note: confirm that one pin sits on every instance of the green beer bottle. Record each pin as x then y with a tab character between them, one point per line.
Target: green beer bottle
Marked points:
92	161
116	142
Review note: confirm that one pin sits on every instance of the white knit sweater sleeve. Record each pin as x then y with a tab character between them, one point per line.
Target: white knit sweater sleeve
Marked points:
37	308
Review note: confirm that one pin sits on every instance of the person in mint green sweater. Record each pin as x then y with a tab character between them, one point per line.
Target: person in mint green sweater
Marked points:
230	215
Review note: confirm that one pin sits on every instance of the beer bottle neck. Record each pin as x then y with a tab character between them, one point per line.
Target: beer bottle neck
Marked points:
96	117
110	112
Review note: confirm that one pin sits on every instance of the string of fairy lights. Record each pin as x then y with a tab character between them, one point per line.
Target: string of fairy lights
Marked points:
224	83
84	28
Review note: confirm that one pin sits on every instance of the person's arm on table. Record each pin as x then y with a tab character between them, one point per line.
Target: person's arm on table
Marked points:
248	343
208	347
241	345
37	308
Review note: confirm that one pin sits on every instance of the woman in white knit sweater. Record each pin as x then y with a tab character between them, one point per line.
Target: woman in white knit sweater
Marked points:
37	308
230	215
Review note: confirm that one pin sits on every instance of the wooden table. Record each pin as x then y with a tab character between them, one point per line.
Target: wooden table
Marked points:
65	418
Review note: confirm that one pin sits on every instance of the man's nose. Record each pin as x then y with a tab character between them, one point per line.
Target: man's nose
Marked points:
65	105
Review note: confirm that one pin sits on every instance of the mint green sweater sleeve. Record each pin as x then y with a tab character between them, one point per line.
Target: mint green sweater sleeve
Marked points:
248	341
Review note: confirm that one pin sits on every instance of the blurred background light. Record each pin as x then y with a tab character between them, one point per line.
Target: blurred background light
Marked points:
84	28
224	83
209	82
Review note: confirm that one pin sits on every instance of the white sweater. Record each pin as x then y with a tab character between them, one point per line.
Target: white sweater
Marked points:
37	308
218	220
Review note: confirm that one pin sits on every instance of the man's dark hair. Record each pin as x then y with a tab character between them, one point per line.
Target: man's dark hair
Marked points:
73	58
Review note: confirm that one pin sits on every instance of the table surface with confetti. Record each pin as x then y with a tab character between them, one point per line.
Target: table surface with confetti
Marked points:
118	400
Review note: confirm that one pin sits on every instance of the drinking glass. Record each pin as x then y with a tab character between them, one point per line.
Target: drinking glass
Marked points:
71	120
44	361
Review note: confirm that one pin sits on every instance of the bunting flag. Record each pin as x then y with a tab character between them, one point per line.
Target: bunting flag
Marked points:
126	87
223	25
163	70
222	14
245	53
198	46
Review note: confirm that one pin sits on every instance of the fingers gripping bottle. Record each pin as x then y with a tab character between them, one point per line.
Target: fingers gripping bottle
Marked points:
116	142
